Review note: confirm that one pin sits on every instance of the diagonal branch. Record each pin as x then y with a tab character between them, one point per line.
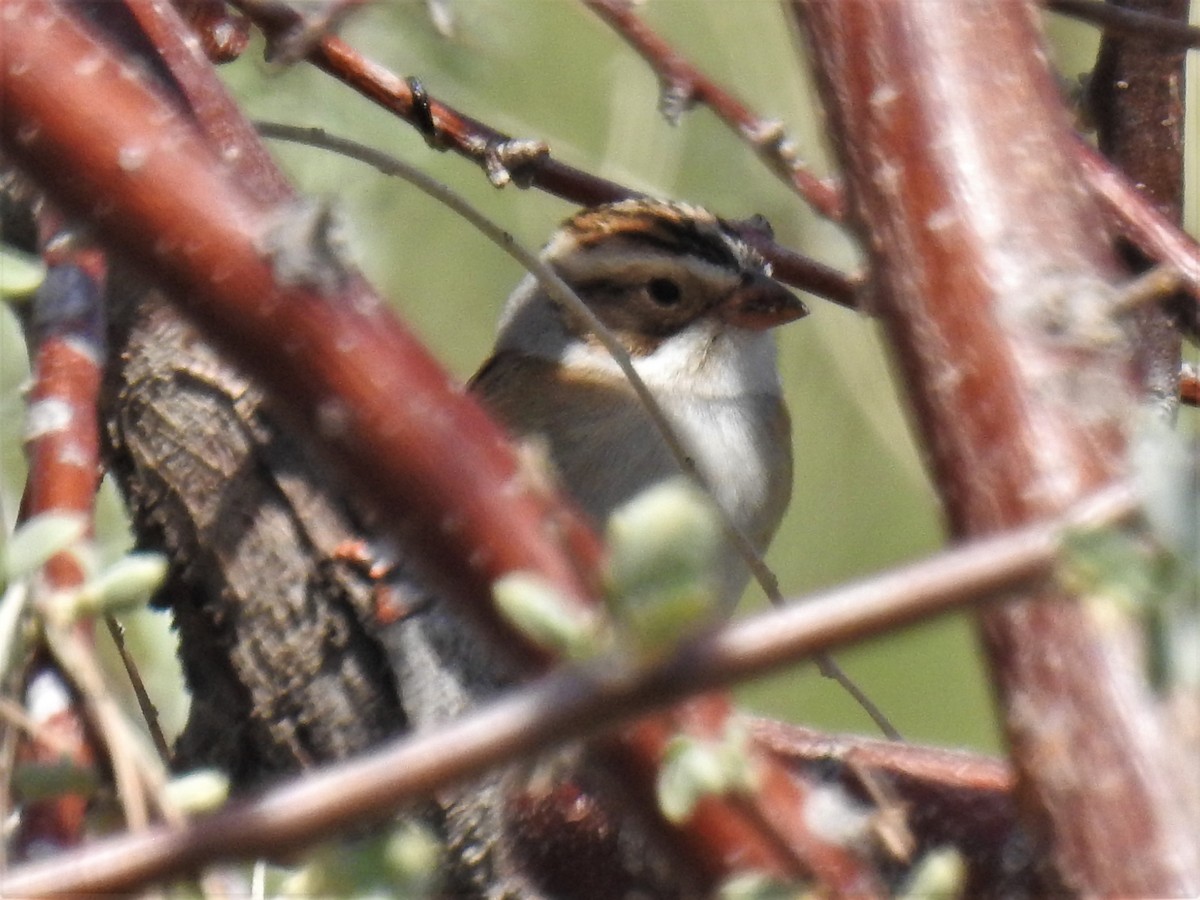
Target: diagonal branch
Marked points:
1144	226
565	704
1167	32
505	159
249	271
683	85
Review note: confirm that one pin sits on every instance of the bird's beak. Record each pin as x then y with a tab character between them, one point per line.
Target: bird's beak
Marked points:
761	303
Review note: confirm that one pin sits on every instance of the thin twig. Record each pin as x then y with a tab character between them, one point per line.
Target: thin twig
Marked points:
145	704
1148	229
136	770
564	705
563	294
684	85
326	20
74	657
1168	32
505	159
1150	287
62	448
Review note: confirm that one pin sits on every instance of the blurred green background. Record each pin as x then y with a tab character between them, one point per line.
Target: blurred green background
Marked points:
547	69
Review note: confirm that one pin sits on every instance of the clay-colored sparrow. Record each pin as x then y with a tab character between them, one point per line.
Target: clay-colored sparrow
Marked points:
692	304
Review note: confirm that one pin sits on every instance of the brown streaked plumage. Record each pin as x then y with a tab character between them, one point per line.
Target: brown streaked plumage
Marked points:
692	305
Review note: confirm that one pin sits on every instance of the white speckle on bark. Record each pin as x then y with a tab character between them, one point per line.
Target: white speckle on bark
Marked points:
75	454
86	348
941	219
132	158
48	416
89	65
883	96
223	34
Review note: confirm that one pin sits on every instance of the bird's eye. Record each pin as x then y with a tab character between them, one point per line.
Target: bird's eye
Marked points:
664	291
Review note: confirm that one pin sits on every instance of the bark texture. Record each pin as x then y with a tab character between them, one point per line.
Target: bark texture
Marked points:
993	273
274	625
296	655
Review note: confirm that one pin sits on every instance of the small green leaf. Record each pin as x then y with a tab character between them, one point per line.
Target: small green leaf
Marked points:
127	583
662	582
1111	564
201	791
413	855
757	886
401	863
20	273
1126	572
941	873
538	611
38	539
693	769
12	607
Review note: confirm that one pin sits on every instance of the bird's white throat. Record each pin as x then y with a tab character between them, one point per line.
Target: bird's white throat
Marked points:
707	359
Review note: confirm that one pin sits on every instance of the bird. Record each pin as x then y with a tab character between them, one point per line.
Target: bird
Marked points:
693	305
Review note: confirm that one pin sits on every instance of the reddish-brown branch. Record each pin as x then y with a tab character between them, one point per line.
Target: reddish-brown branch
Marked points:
992	270
348	371
683	85
570	703
60	735
948	798
225	128
62	434
1135	97
62	446
527	163
260	277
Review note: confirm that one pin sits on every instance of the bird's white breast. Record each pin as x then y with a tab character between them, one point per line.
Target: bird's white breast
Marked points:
720	388
718	385
721	391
